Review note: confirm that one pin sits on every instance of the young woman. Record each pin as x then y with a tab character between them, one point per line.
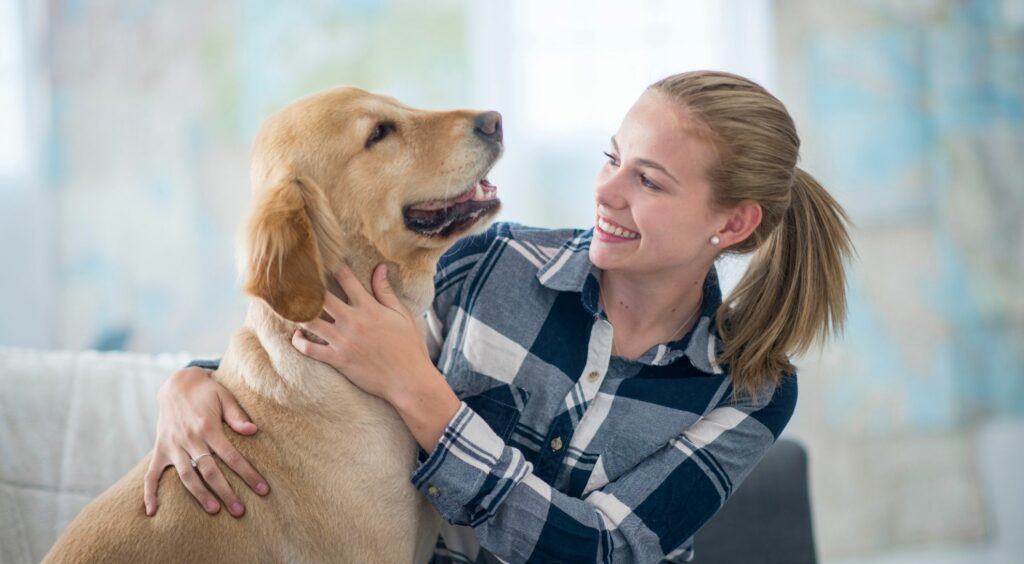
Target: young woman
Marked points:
587	395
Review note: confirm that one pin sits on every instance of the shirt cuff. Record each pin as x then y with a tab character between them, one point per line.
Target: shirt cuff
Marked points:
470	471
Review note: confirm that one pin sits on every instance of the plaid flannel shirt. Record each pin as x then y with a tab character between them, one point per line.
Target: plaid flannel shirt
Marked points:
560	451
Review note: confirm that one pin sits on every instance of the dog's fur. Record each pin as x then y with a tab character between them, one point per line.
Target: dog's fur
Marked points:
338	460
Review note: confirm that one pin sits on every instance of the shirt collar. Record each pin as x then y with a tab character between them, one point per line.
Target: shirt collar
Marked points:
570	270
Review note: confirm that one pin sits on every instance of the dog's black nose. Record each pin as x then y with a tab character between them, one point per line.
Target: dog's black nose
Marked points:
488	124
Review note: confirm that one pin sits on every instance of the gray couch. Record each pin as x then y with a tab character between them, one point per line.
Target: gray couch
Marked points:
768	519
72	423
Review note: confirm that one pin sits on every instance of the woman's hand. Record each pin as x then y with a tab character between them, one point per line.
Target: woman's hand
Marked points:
373	341
191	408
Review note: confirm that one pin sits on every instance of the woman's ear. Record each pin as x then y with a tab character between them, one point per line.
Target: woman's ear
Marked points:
285	268
743	220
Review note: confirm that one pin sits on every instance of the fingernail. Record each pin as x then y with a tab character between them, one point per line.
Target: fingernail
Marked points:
236	508
262	487
211	506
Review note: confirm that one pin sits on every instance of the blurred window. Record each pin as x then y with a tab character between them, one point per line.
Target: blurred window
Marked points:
565	73
13	130
582	60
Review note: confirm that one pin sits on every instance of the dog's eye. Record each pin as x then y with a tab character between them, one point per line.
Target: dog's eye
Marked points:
380	132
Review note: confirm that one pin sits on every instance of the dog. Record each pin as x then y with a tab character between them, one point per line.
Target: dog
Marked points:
340	176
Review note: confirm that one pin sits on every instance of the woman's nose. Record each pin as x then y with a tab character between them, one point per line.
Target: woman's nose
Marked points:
609	190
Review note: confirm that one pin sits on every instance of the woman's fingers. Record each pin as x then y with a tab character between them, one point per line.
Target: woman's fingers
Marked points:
215	479
309	348
334	307
351	285
227	452
319	327
235	416
157	464
385	294
191	409
193	483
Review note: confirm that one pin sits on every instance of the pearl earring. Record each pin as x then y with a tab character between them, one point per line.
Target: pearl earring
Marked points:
715	240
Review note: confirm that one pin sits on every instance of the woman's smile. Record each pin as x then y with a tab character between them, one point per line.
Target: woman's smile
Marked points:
613	232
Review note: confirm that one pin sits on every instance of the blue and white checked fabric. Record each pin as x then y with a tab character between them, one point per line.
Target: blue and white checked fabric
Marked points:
561	452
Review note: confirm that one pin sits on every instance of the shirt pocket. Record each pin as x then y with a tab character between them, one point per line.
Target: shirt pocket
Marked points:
616	461
499	405
636	436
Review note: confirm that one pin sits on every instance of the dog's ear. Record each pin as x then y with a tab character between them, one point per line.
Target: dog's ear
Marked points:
284	265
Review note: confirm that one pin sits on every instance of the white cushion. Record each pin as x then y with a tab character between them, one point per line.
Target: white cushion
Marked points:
72	424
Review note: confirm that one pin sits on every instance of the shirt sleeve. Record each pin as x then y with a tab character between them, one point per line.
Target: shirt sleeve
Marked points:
651	511
207	364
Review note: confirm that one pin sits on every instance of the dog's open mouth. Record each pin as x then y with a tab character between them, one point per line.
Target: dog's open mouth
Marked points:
448	217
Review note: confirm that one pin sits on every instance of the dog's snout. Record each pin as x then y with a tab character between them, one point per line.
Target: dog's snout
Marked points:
488	125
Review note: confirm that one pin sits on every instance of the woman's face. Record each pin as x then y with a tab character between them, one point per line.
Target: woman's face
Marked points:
653	187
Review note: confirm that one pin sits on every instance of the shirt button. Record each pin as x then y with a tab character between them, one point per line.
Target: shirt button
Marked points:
556	443
434	491
593	376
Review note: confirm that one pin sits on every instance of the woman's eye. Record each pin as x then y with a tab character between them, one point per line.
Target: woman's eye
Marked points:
647	182
380	132
611	159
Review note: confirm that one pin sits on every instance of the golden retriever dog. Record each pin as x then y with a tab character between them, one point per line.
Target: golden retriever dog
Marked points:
340	176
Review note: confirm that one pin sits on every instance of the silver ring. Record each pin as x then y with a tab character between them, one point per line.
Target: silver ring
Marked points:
195	461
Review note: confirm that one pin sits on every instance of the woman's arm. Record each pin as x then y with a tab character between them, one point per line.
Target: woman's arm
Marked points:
473	478
192	406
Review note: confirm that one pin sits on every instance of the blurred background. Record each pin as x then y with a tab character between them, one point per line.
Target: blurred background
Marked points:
125	127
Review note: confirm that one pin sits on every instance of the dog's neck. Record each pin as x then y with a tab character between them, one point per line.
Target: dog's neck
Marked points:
413	283
261	355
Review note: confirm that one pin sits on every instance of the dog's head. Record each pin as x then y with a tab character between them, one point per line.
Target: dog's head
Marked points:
345	173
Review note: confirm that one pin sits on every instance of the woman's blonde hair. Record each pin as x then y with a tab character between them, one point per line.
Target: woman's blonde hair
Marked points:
794	290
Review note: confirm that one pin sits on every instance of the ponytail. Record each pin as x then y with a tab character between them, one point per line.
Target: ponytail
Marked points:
793	292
